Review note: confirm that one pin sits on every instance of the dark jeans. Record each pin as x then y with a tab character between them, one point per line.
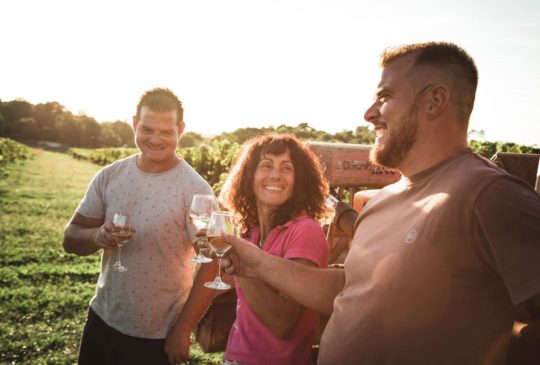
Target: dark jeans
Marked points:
103	345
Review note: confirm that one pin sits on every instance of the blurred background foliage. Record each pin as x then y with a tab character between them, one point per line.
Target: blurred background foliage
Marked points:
53	126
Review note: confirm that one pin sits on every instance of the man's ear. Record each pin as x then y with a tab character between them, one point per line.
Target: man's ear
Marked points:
134	122
437	101
181	128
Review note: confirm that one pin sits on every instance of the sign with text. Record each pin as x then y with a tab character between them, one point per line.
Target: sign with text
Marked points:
349	165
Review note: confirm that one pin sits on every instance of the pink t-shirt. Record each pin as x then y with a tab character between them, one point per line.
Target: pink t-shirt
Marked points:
250	341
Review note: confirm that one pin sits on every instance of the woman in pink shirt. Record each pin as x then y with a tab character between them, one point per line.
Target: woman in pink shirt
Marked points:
278	190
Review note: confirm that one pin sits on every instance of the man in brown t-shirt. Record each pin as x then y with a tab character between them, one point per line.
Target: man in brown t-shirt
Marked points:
443	260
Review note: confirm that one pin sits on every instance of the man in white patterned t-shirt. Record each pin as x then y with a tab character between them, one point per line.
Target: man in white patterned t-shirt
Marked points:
136	316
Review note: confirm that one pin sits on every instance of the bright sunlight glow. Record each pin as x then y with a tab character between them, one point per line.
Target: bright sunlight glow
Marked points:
256	63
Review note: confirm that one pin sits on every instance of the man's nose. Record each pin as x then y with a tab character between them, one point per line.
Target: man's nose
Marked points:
371	113
155	138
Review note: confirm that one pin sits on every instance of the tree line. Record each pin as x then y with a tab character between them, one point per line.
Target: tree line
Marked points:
51	121
23	121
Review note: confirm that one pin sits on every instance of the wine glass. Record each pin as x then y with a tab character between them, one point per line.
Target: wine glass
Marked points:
219	222
123	232
201	209
330	203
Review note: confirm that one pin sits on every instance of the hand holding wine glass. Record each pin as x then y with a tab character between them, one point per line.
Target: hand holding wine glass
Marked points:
201	209
219	222
123	231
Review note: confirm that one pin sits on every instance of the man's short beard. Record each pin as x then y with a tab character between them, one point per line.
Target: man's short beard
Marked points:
398	143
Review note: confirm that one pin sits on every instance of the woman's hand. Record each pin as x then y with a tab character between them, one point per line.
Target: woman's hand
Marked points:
177	345
344	220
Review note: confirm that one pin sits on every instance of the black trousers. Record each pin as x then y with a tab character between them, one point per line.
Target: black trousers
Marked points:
103	345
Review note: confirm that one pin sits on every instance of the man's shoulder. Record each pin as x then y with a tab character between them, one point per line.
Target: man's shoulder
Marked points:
188	171
186	167
120	164
186	180
473	176
114	169
473	168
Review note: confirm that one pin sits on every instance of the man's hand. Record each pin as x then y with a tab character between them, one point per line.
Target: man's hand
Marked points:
245	259
85	236
104	238
177	345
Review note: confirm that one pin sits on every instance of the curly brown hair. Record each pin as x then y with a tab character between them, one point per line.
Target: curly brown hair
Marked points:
310	186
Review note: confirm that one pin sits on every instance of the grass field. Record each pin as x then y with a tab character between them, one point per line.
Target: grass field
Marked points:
44	292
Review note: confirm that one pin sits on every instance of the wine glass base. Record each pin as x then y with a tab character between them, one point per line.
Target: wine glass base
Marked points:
117	267
201	260
217	284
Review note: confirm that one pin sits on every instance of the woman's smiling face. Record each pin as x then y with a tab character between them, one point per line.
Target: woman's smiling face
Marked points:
273	182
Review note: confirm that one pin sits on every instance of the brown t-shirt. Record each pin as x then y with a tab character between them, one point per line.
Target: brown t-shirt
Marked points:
436	266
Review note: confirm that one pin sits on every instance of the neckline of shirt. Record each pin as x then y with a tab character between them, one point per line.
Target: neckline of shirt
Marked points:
427	173
154	174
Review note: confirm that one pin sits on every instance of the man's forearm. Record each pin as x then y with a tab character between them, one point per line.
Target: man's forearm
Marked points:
80	240
278	311
314	288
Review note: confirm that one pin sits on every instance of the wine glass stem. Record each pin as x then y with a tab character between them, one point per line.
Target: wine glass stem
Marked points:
328	231
201	245
219	266
120	255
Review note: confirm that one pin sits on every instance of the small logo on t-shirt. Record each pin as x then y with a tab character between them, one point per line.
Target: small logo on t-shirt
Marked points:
410	237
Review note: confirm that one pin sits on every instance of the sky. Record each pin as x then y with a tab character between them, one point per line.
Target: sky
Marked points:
259	63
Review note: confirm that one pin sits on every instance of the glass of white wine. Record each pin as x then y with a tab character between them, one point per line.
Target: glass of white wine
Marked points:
123	231
330	203
201	209
219	222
